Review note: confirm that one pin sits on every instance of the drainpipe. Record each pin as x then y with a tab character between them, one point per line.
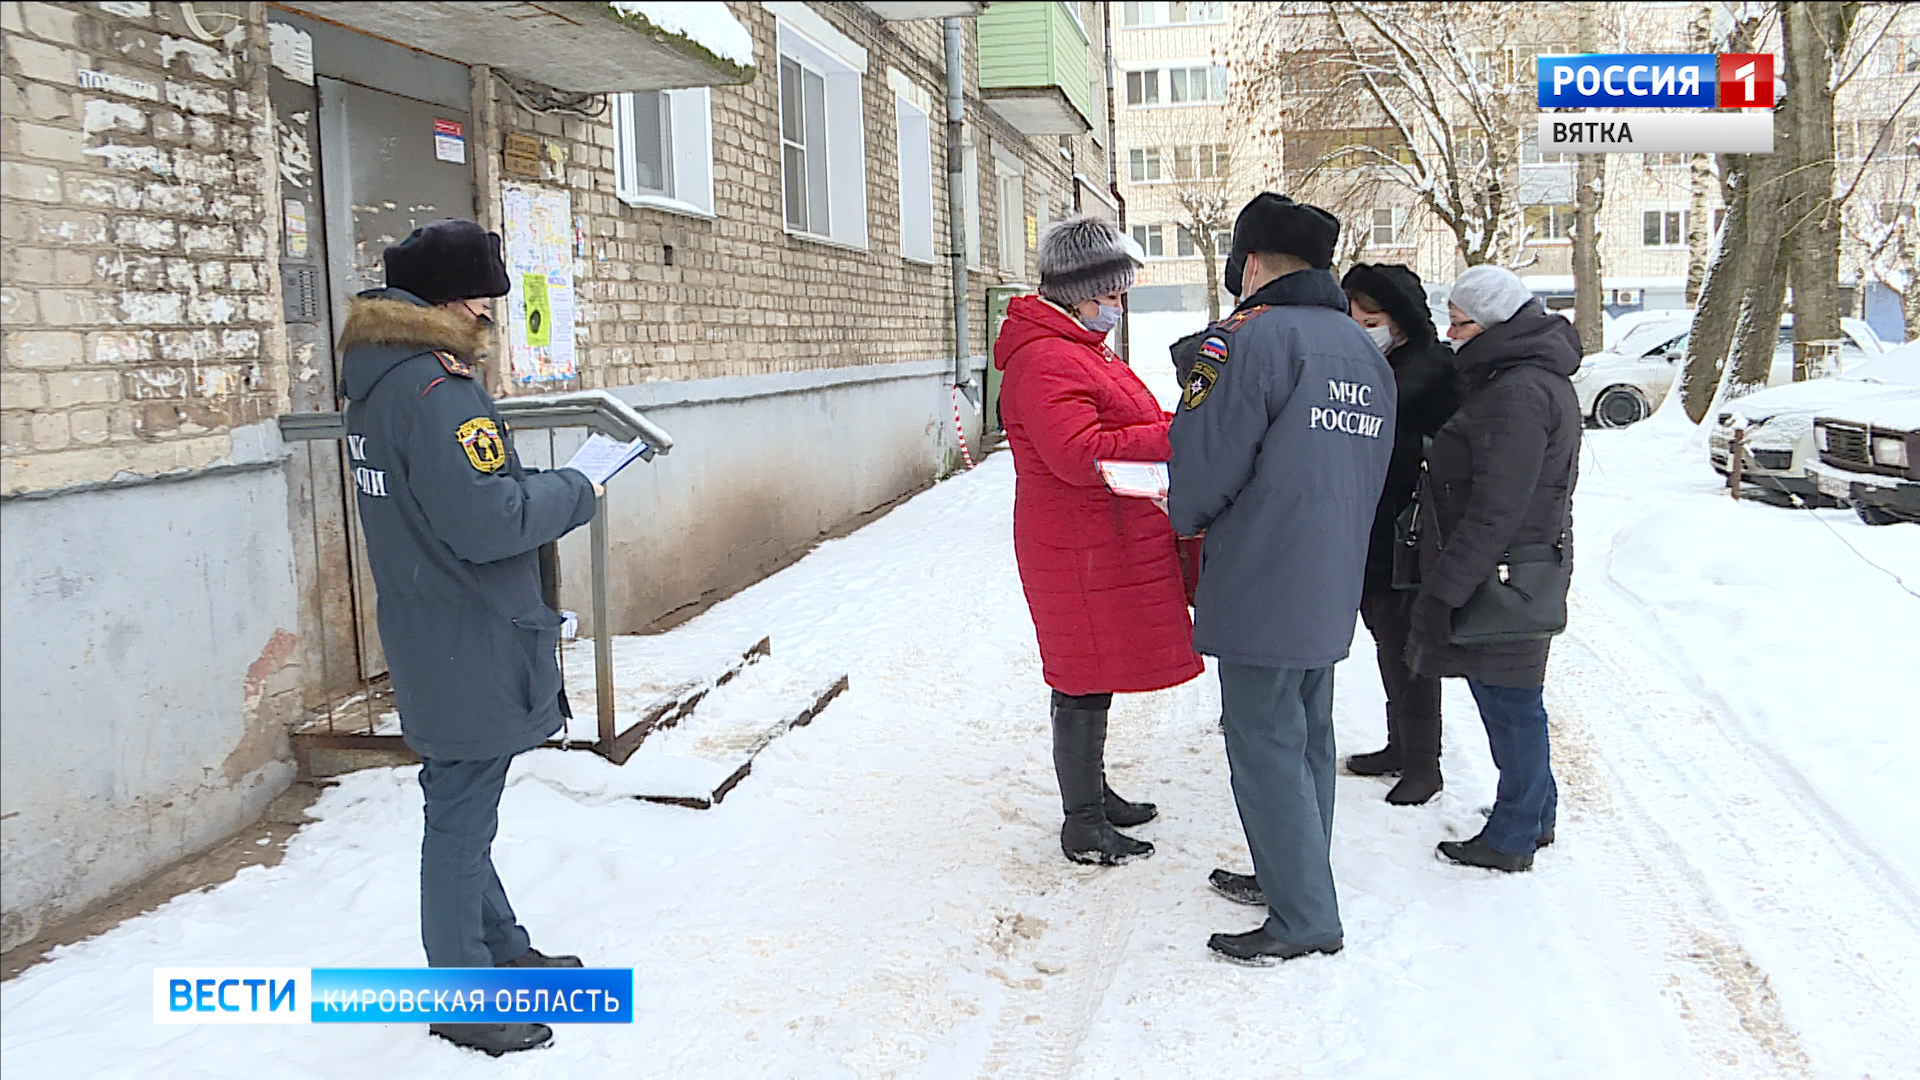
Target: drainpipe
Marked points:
957	205
1113	172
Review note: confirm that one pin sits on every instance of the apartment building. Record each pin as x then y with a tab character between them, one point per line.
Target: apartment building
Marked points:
733	216
1185	166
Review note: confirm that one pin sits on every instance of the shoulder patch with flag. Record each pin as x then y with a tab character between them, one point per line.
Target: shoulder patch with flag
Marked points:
480	438
1214	348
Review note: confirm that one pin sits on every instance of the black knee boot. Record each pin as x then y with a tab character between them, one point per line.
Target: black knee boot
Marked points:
1419	731
1079	754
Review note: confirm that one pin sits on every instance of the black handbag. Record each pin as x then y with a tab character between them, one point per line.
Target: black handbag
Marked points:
1406	540
1526	597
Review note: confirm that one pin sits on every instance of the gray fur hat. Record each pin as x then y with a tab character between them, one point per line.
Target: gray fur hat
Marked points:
1081	258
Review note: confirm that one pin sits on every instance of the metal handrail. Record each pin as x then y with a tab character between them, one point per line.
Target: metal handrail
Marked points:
597	410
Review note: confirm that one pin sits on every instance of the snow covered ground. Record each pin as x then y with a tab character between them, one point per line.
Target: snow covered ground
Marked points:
1735	891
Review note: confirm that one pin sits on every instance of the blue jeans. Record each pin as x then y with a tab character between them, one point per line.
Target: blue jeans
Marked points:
1527	798
1279	725
465	919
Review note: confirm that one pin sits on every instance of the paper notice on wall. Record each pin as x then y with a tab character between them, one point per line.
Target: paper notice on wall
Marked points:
539	250
449	141
294	219
291	49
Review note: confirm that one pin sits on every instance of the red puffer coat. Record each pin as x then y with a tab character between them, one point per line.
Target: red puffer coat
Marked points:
1101	576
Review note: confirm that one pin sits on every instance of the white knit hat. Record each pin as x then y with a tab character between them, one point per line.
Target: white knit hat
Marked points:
1081	258
1489	295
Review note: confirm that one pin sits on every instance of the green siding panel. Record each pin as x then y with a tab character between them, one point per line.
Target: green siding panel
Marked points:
1035	43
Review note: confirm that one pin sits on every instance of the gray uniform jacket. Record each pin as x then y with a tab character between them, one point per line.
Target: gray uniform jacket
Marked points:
1280	448
453	524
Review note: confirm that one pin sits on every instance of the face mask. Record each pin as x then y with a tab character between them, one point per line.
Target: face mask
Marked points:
1382	337
1454	344
1104	321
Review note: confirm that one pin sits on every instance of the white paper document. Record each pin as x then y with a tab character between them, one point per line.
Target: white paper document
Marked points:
1139	479
600	457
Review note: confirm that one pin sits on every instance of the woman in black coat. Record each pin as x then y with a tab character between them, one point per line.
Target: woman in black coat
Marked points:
1500	474
1391	303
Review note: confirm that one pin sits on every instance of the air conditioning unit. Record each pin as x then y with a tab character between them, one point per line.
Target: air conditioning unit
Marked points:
1626	296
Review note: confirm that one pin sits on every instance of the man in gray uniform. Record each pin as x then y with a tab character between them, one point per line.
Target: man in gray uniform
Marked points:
1280	448
453	525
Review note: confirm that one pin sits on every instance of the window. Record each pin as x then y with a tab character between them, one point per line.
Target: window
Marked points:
1662	228
1172	14
1530	151
1214	162
1143	88
1190	86
1890	213
822	138
1383	233
1152	240
1550	223
1144	165
970	190
916	180
1658	161
1183	245
663	150
1009	199
1223	242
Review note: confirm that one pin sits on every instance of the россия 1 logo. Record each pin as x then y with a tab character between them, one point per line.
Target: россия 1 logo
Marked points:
1703	81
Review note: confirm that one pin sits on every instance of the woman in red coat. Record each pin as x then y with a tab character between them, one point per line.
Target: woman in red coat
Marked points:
1100	570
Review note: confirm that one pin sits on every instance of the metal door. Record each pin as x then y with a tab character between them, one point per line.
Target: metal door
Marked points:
388	164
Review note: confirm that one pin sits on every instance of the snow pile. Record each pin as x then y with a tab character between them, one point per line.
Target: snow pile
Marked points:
706	23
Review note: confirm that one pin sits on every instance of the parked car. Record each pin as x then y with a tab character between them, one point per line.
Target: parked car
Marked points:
1870	457
1778	444
1624	384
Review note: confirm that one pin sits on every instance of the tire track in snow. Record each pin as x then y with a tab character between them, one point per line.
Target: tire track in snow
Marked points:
1702	818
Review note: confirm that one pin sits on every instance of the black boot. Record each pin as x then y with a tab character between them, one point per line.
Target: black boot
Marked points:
1475	852
1256	949
1122	814
494	1039
1379	763
1418	732
534	958
1239	888
1079	749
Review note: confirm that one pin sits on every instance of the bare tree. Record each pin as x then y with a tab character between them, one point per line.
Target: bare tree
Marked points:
1701	177
1588	191
1431	98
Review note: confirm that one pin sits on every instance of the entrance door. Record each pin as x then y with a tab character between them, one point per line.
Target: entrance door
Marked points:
388	164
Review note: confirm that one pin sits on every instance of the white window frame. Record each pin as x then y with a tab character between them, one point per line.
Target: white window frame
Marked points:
1218	79
1395	226
843	130
1010	235
913	121
688	134
1667	242
1152	166
1145	235
1156	13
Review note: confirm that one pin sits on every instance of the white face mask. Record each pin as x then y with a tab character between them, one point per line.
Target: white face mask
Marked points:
1382	337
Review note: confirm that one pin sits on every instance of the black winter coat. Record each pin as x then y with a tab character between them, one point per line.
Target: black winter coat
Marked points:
1501	473
1429	392
452	524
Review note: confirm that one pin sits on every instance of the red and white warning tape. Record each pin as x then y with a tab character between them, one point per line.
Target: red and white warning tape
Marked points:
960	429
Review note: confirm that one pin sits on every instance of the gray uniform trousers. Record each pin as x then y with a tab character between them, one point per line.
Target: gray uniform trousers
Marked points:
465	919
1279	727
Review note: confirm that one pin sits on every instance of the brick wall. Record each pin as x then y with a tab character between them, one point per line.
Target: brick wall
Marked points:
138	308
743	297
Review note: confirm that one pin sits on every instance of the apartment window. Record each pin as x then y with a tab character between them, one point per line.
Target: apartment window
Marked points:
1183	245
1656	161
1550	222
1530	151
1662	228
970	192
1191	86
1214	161
1223	242
663	150
1172	14
1152	240
1385	231
916	180
1009	198
1890	213
822	141
1144	165
1143	88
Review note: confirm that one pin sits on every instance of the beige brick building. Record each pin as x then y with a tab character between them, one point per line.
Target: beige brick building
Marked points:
736	220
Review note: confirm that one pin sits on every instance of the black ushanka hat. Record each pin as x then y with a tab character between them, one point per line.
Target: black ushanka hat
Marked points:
450	259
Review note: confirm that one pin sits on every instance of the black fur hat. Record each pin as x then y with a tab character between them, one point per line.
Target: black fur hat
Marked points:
1275	223
1399	293
450	259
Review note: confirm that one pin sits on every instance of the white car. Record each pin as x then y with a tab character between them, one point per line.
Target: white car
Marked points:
1624	384
1778	444
1870	458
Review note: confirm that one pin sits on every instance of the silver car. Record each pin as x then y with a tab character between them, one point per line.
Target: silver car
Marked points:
1778	444
1624	384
